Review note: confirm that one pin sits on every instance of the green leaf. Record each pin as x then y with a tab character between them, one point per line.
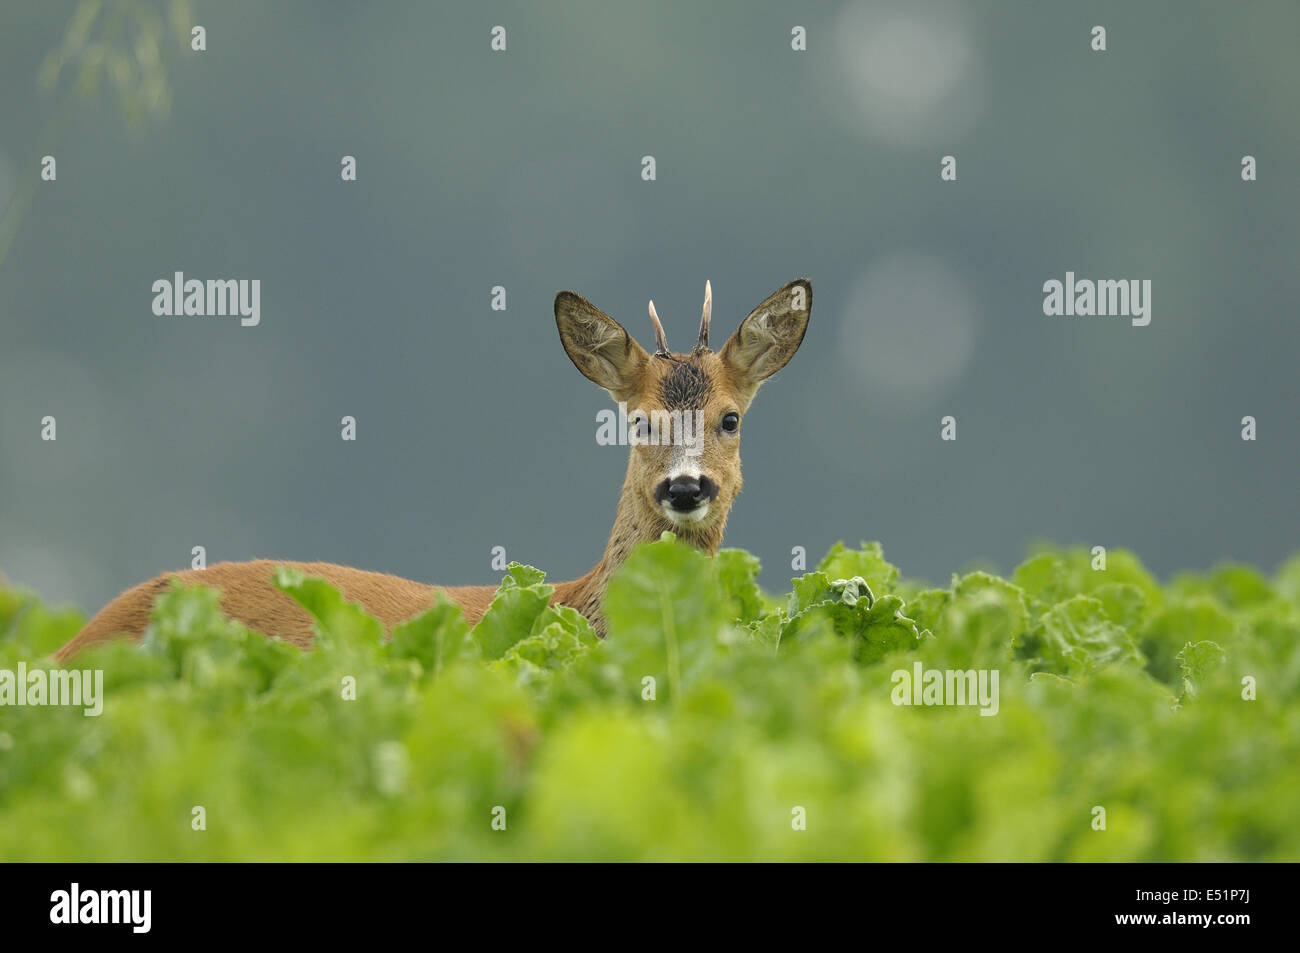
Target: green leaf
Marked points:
664	609
435	638
977	623
737	571
195	641
339	623
875	626
556	642
1045	577
766	632
1236	587
523	597
35	628
1075	637
1125	604
519	575
1196	661
1055	575
1287	580
569	619
808	590
850	591
868	562
1168	630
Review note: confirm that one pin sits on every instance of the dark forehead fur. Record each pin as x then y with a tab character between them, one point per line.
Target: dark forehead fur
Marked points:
686	386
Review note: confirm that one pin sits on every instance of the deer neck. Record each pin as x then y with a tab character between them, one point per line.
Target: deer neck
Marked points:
632	525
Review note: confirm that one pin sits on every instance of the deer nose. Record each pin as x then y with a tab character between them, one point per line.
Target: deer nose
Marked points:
685	492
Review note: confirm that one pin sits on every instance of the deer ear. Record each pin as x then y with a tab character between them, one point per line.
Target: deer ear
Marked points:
768	338
599	346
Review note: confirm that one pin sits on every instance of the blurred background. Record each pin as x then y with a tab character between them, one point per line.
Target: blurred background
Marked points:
523	169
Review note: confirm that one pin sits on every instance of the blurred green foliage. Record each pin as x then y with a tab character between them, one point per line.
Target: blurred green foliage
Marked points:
121	42
710	714
124	44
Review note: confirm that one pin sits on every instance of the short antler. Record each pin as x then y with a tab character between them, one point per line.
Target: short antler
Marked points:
661	339
702	342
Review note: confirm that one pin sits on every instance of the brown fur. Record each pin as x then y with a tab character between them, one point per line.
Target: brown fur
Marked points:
714	383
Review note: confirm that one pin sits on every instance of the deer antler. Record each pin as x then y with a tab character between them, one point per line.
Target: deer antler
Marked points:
702	342
661	339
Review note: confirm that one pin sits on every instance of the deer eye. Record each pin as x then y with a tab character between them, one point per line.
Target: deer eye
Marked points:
731	423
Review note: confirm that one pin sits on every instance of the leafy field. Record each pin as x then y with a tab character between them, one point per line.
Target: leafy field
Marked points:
716	722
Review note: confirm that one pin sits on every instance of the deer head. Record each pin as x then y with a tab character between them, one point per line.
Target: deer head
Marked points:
685	410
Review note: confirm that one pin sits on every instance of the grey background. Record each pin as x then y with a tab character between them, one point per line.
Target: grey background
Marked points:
523	169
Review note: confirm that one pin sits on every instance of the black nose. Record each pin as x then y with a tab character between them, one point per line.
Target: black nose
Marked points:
685	492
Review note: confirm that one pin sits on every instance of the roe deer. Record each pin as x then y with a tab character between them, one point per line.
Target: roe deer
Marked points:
685	483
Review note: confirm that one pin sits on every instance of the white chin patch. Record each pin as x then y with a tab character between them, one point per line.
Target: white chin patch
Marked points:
693	516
